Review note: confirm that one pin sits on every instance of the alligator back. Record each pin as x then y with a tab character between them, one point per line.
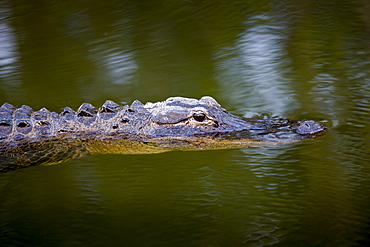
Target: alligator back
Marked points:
17	124
29	137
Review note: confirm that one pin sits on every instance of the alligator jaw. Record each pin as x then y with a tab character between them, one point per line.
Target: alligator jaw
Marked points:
249	133
274	134
266	132
256	133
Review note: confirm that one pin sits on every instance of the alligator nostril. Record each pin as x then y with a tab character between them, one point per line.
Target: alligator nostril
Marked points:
310	127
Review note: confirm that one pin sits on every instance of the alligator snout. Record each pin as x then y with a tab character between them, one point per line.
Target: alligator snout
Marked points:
310	127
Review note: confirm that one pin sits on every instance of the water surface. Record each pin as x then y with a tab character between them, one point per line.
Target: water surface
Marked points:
300	60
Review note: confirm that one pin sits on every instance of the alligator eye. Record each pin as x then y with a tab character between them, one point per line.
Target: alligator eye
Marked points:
199	117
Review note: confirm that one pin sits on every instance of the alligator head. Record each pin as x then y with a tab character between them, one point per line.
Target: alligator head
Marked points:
179	122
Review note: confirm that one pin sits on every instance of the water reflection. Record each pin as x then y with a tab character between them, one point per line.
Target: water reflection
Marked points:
256	69
9	58
298	187
297	59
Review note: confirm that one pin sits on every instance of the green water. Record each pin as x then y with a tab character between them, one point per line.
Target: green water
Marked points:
294	59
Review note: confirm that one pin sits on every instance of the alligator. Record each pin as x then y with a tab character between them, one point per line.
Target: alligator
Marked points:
42	137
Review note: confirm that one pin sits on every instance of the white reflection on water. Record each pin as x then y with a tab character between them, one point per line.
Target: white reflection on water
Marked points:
115	54
256	69
8	57
7	49
110	52
119	65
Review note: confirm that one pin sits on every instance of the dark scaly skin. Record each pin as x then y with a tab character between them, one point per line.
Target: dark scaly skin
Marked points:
29	137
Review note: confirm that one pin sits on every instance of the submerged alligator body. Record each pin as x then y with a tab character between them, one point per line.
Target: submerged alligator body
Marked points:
29	137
